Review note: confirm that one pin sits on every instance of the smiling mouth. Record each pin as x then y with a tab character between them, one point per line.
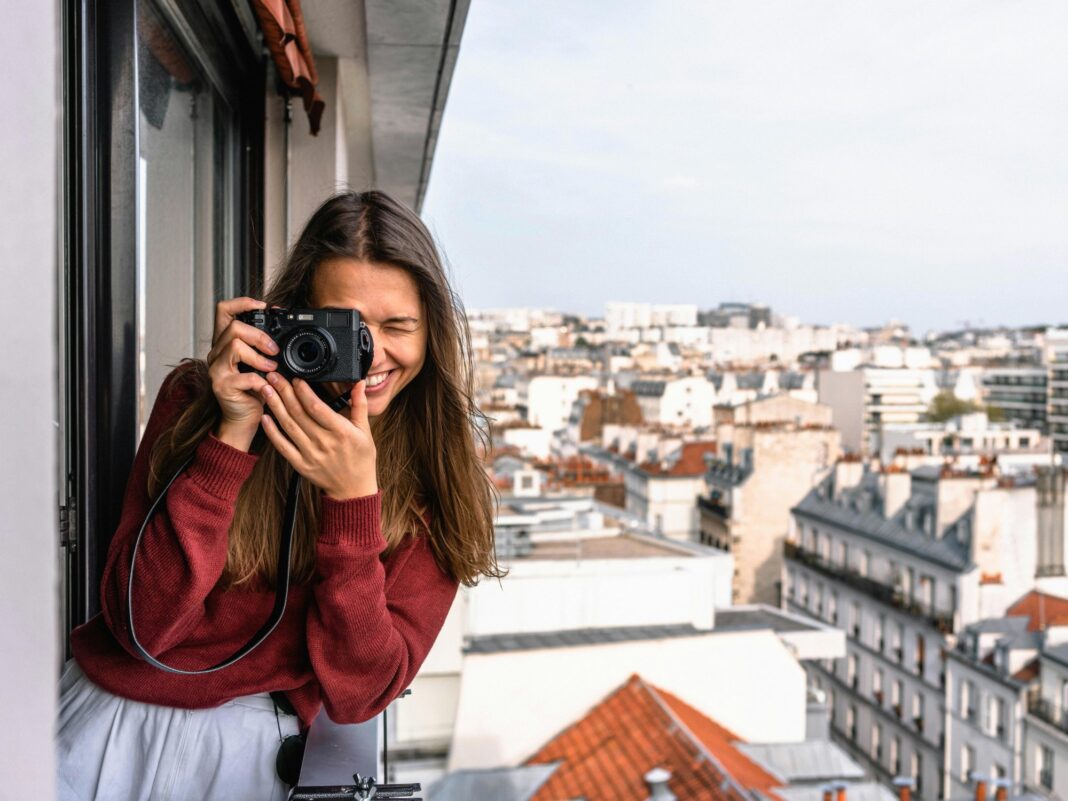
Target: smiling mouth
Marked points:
376	380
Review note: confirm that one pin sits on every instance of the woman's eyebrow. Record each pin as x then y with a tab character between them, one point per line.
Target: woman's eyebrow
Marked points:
401	319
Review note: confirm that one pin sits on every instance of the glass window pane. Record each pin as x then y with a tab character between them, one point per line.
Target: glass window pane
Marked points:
185	194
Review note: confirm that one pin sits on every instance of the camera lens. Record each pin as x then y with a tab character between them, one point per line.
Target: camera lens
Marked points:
307	352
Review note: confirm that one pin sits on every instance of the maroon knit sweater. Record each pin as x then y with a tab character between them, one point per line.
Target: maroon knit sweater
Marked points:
351	640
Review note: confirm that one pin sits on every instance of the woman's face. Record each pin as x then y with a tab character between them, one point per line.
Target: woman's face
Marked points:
387	298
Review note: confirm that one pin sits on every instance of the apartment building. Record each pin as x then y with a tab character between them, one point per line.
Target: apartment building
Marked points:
771	452
866	399
1018	392
903	561
1057	414
683	402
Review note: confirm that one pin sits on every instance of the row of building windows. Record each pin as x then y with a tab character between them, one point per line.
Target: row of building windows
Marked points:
885	637
969	703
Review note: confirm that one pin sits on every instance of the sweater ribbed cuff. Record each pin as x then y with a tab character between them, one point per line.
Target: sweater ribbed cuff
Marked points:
355	521
221	469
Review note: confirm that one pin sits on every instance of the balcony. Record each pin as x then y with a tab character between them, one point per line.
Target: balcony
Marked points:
714	508
1044	710
881	592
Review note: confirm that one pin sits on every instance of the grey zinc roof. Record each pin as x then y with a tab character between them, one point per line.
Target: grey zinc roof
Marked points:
760	617
874	526
528	641
997	625
808	761
500	784
1058	653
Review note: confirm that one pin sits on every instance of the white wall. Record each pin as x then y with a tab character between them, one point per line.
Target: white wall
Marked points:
513	702
28	538
561	594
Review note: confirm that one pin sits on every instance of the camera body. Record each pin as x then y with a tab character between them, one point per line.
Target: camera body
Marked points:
316	345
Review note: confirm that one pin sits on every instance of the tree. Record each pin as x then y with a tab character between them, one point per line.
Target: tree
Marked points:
945	406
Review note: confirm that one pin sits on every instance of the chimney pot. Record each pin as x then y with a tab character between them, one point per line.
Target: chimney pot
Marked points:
840	791
657	779
828	792
904	787
1001	789
980	786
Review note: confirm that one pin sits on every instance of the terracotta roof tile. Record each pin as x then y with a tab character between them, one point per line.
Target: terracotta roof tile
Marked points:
691	461
1042	609
605	755
1027	672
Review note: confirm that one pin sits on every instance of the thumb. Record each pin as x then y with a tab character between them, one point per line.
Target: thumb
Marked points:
358	406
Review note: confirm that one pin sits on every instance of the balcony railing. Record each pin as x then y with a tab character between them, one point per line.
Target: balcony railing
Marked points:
1044	710
713	507
890	596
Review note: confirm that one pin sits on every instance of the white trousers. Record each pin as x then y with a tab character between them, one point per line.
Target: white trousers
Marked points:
114	749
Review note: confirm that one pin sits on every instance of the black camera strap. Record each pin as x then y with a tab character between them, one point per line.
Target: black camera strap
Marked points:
281	588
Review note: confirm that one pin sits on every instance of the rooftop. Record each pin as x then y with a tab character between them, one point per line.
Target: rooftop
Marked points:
868	522
528	641
605	755
623	546
1041	609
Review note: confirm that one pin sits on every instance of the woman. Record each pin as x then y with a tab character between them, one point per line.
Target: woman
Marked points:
375	569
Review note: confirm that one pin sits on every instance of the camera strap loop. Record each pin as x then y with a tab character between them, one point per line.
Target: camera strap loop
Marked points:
281	589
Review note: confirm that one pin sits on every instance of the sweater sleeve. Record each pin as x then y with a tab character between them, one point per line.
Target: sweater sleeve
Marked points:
369	631
183	551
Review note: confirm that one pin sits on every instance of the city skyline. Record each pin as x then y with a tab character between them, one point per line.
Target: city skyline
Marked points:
582	149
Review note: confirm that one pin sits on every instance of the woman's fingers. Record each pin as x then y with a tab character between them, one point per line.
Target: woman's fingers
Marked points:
227	310
315	407
358	407
242	332
281	443
239	352
288	412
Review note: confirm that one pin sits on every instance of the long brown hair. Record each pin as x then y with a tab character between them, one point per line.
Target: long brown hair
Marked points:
427	440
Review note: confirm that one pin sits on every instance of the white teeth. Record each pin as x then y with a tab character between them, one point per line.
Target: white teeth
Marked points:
377	378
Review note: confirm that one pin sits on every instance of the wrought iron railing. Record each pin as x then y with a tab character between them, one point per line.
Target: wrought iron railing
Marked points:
891	596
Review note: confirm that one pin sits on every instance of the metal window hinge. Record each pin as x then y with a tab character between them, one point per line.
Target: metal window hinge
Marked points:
68	534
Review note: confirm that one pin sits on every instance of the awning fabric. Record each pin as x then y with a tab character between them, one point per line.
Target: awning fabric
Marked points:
283	29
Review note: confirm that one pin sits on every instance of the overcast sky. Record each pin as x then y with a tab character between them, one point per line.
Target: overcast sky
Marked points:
846	161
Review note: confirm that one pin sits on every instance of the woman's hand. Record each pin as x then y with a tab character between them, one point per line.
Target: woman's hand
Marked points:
335	452
238	395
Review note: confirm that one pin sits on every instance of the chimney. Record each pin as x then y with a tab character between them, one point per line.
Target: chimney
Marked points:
1001	792
828	792
980	786
848	472
657	779
840	788
896	485
904	787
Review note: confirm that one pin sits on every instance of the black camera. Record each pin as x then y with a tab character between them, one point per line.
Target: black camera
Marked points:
317	345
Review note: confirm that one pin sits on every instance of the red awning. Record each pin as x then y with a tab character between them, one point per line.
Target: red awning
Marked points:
283	29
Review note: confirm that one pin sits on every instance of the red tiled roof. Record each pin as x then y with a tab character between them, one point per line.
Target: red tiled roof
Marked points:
605	755
719	742
1043	609
691	461
1027	672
